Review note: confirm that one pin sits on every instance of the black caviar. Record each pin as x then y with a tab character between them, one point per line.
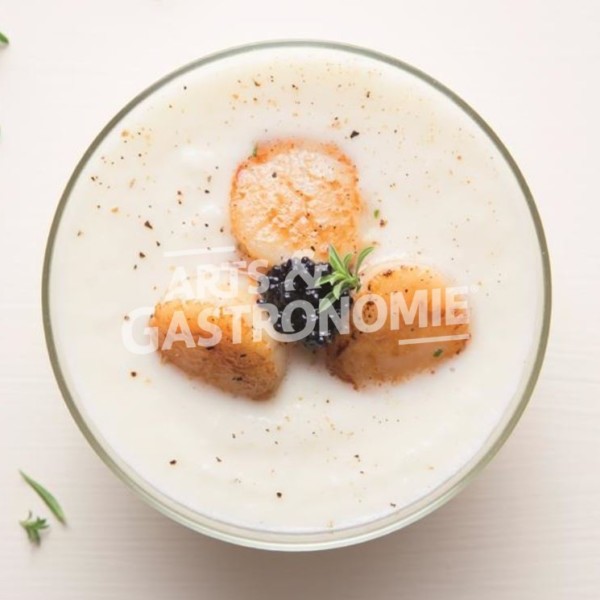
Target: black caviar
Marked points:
293	281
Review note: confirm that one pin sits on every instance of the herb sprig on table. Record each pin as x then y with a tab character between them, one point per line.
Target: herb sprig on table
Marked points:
3	39
32	526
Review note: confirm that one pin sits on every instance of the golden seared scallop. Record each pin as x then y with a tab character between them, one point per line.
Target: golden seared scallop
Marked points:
406	319
295	196
213	333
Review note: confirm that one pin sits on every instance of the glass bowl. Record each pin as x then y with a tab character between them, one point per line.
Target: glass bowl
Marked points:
337	537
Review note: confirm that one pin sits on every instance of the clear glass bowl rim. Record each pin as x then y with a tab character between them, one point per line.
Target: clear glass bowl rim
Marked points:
337	537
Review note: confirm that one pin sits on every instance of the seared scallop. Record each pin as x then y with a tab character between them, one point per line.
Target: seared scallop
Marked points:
214	334
295	196
406	319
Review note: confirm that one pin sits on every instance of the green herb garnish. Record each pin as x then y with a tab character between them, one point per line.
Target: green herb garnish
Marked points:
3	39
376	213
50	501
33	527
437	353
342	278
254	150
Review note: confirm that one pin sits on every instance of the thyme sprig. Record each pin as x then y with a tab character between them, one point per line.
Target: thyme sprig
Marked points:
343	277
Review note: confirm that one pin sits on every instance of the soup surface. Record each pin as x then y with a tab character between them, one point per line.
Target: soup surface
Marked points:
154	197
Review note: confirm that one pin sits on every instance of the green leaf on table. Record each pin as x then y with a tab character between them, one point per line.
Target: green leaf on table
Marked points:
50	501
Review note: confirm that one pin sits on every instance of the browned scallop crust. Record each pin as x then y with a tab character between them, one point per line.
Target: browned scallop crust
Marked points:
295	195
249	368
364	358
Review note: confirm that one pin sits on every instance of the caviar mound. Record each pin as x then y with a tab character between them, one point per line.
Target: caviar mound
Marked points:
295	196
291	284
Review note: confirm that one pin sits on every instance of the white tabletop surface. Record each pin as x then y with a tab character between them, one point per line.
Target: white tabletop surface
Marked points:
529	526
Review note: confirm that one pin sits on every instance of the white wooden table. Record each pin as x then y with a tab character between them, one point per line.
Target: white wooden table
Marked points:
529	527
